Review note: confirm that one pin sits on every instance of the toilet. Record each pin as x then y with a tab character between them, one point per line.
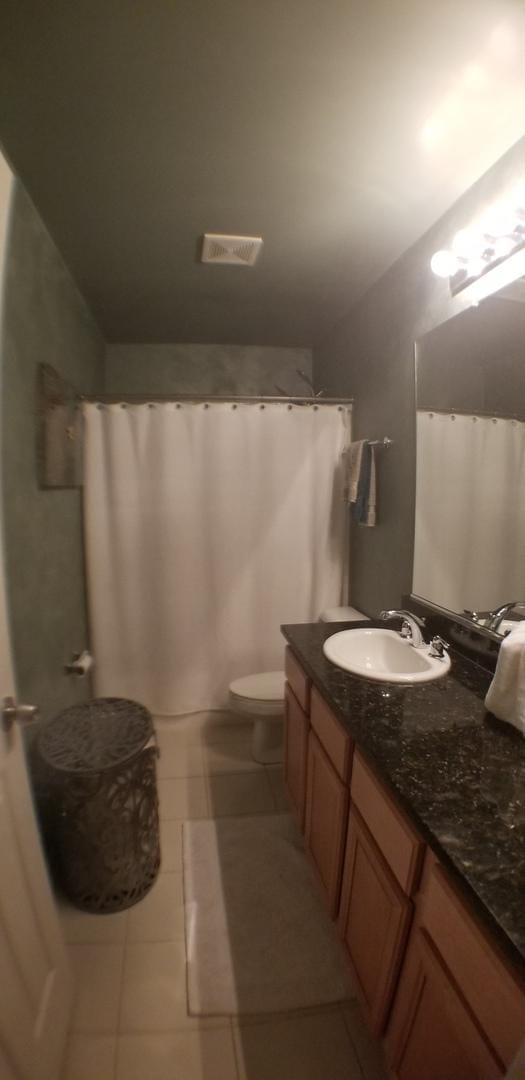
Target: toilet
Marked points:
261	698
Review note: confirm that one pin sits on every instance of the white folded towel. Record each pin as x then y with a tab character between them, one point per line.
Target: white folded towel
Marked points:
506	694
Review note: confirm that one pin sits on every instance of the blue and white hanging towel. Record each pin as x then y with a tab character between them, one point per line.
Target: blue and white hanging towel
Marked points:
360	481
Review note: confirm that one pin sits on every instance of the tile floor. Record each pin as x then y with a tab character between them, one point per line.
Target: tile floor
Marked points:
131	1018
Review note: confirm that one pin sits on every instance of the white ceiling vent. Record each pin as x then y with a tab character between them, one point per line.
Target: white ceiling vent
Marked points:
231	250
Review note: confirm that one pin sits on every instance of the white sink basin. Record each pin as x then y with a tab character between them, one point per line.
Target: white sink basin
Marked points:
384	655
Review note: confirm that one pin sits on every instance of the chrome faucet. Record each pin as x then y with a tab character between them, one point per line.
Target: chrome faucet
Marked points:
495	618
411	626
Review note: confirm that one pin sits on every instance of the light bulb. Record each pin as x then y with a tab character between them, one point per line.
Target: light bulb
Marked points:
468	244
499	220
443	264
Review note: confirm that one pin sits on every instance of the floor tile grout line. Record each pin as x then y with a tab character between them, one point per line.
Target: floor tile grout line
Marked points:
238	814
349	1033
273	794
126	927
221	1020
121	993
186	972
364	1072
174	1029
235	1050
115	1057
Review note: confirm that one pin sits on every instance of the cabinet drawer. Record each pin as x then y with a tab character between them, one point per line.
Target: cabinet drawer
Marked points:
298	679
393	833
494	995
296	728
332	735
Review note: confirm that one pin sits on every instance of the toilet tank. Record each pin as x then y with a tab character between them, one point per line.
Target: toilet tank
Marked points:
343	614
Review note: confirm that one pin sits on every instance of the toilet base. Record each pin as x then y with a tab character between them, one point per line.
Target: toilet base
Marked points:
268	740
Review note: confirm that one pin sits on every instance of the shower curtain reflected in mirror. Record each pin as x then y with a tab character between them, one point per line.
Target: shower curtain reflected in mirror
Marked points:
469	550
206	528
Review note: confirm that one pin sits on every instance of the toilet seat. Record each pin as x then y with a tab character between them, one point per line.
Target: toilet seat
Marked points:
259	695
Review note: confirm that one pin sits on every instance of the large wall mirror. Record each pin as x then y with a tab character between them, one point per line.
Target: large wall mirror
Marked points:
469	554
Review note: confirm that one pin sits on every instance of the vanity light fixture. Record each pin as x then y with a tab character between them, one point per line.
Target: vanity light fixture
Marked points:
493	243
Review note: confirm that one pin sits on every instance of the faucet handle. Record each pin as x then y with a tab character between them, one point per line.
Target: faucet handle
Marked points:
438	645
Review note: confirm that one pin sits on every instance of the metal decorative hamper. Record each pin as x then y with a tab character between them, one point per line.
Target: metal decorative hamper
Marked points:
100	759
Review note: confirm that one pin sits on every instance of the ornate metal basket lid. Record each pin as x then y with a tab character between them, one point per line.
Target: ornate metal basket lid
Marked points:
96	735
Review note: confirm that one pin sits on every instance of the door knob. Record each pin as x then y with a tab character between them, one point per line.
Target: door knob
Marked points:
25	714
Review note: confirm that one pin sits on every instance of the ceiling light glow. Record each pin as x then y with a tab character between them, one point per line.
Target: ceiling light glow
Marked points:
503	246
503	43
474	77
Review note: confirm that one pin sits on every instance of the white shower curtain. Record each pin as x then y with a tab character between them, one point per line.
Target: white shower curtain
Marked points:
206	528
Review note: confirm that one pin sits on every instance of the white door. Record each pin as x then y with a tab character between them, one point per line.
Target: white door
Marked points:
35	982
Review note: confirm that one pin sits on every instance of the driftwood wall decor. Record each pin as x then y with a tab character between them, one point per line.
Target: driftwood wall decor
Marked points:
59	431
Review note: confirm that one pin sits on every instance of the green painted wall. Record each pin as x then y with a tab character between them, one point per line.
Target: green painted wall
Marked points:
370	355
45	319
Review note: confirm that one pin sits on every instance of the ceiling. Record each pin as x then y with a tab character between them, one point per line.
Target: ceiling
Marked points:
338	130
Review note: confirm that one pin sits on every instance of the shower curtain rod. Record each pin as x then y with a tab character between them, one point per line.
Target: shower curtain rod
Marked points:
196	399
476	414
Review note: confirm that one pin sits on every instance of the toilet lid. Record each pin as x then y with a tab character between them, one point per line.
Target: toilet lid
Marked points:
268	686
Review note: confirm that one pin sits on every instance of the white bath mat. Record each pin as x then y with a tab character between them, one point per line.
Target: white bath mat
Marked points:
258	938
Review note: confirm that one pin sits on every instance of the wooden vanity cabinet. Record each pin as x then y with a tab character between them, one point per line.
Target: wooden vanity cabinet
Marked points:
317	762
330	751
296	728
374	921
433	1033
459	1011
381	871
298	680
431	979
327	801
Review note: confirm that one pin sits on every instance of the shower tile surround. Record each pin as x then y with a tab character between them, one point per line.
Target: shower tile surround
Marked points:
206	369
132	1016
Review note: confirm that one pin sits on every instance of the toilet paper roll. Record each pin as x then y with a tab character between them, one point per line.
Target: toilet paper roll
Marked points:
80	665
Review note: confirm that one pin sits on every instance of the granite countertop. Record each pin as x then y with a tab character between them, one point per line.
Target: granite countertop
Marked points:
457	771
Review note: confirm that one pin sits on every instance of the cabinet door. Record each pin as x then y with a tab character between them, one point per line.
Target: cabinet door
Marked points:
296	726
326	821
432	1032
374	921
